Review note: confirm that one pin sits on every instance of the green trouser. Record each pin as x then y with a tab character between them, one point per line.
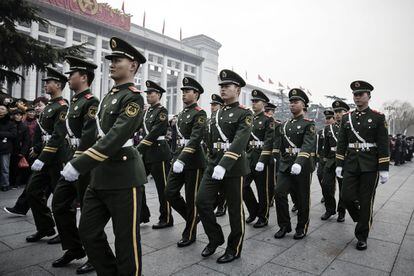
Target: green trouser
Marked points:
358	194
35	190
159	171
300	186
186	208
328	190
263	181
64	213
232	188
123	207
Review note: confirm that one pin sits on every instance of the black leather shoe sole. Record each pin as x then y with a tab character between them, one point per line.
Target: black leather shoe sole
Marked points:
54	240
38	236
250	219
67	258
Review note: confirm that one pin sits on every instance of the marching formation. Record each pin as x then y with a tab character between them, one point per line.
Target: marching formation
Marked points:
88	153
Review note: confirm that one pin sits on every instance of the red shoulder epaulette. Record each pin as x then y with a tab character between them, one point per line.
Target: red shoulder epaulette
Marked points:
243	106
198	108
268	115
134	89
376	111
62	102
307	119
88	96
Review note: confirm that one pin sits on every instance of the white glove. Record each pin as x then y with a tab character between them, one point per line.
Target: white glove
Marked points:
296	169
37	165
338	172
259	166
178	166
70	173
384	176
218	173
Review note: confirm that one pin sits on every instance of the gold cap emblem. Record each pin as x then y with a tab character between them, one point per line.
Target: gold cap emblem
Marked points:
223	74
294	92
113	43
337	103
254	93
185	81
147	83
357	84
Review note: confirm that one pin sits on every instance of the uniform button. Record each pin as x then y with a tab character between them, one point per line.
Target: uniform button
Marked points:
221	118
104	105
359	123
124	158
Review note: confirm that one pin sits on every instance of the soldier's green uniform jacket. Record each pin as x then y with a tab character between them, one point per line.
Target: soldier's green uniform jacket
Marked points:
371	126
276	140
52	123
261	151
120	116
191	123
331	133
236	123
319	148
81	120
301	132
152	147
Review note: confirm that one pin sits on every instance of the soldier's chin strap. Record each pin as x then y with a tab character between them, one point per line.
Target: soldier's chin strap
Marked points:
362	140
222	135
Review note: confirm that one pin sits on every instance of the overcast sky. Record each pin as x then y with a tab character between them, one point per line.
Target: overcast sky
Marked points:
322	45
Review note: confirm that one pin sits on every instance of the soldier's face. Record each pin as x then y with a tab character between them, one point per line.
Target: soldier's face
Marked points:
339	114
76	80
257	106
3	111
329	120
361	99
296	106
229	91
270	112
51	86
189	96
214	107
153	97
121	68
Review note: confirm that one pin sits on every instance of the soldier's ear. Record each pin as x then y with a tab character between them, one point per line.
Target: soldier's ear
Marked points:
135	66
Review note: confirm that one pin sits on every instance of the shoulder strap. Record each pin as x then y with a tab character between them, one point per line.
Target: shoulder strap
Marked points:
98	125
44	132
69	130
144	124
362	140
222	135
287	138
333	133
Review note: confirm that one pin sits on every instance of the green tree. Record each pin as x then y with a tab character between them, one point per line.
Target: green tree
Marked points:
20	50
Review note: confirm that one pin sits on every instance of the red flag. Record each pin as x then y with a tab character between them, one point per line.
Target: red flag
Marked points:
260	78
163	27
123	6
181	34
270	81
143	21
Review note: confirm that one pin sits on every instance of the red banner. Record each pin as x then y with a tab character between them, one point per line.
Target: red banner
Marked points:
98	11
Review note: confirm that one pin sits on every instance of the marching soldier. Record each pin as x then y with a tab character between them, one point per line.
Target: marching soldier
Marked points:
118	172
329	149
320	140
189	159
363	139
270	109
275	151
215	104
155	150
46	168
226	169
259	155
295	168
82	132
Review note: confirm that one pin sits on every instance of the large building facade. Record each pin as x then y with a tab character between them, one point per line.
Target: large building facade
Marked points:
74	22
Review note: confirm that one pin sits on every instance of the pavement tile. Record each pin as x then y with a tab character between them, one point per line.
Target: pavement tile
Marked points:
198	270
403	267
341	268
387	232
271	269
379	255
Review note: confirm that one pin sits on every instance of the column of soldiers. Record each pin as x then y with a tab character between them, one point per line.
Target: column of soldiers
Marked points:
216	160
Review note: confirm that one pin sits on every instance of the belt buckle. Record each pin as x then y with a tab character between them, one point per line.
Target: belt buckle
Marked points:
356	145
290	150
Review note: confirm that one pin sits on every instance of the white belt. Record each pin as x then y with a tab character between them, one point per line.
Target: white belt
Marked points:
358	145
333	148
182	141
160	138
221	145
291	150
255	143
128	143
46	137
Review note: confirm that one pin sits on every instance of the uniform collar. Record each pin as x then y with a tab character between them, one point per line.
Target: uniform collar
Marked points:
258	114
228	106
296	118
366	110
55	99
191	106
121	87
154	106
81	94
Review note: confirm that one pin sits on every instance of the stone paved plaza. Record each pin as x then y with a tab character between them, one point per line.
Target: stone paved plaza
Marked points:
328	249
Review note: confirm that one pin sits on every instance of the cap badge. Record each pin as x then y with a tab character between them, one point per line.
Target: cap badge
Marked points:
148	83
223	74
357	84
294	92
185	80
113	43
254	93
369	120
337	103
114	101
76	107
